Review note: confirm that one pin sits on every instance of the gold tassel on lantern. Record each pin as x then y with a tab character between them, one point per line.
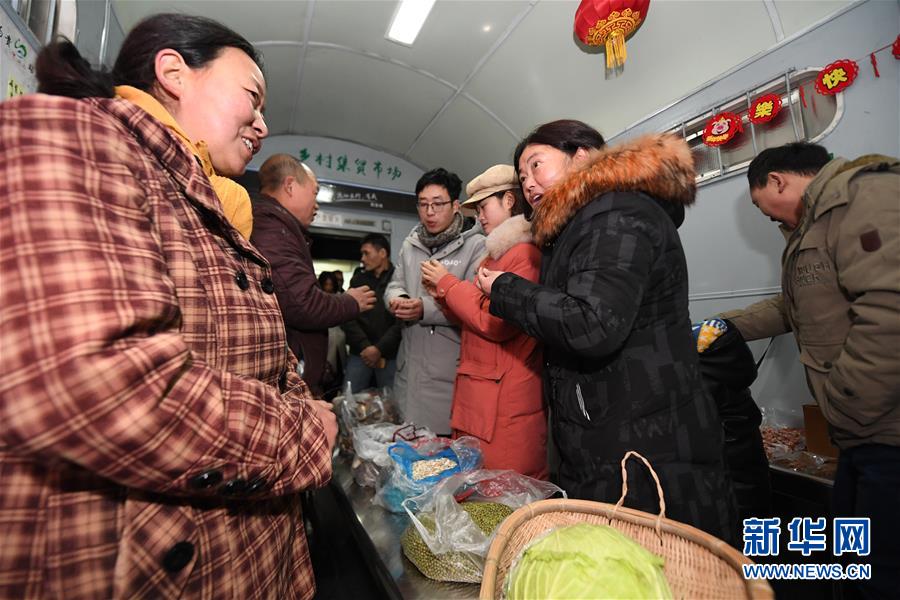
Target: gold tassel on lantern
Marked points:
615	53
607	23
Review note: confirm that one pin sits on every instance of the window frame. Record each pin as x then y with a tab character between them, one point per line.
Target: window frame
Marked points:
787	86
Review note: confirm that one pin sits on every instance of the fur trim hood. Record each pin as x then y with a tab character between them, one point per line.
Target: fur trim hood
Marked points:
658	165
514	230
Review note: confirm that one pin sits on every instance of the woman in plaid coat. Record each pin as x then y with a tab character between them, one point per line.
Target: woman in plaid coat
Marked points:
153	432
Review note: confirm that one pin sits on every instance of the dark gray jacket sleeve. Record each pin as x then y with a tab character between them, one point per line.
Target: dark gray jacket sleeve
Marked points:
604	281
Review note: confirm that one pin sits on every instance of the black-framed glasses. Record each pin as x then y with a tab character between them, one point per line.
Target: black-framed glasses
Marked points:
432	206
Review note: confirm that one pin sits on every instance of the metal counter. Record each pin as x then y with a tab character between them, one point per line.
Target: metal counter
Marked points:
378	533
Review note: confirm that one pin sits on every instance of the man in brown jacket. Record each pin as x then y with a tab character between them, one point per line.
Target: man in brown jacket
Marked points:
841	298
282	214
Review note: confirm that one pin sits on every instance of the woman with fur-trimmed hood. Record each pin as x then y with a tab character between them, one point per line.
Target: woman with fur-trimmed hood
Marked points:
611	309
497	395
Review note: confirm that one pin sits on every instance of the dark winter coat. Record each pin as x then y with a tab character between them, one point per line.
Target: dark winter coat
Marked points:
376	327
728	370
611	308
308	311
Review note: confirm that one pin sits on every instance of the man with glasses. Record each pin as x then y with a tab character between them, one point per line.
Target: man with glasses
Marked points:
429	349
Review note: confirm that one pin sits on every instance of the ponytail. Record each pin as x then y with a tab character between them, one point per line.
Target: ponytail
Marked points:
62	71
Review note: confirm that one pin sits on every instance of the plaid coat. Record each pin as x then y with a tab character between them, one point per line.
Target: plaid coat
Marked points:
153	433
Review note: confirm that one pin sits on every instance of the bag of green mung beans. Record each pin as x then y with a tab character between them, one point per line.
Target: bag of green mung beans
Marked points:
448	539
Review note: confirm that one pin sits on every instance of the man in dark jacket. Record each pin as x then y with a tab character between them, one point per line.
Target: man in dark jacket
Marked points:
282	214
374	336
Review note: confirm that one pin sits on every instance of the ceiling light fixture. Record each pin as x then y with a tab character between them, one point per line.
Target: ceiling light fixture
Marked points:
408	20
486	28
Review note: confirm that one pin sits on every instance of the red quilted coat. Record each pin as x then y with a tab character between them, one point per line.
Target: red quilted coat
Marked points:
497	397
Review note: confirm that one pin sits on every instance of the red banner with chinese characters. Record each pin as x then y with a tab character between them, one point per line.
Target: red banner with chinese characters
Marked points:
764	108
836	77
721	128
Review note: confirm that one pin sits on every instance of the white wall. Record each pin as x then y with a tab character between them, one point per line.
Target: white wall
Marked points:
733	251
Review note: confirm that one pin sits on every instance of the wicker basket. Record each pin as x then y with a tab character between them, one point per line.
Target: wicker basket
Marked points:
698	565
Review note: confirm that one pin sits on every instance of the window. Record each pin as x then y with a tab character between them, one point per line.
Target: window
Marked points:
805	116
40	15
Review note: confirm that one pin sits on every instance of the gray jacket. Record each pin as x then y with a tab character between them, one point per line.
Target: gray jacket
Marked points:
429	350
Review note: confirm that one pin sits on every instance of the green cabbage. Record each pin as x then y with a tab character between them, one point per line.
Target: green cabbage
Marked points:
587	561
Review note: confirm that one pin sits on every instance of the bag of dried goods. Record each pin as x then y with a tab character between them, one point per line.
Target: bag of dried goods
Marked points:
371	442
448	540
415	468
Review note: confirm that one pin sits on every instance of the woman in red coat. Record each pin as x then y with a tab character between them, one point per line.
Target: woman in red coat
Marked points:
498	396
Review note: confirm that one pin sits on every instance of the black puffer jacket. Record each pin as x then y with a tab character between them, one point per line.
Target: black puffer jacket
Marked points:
621	369
728	371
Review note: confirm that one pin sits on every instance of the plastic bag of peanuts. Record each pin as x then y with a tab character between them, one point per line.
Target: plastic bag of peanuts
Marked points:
416	468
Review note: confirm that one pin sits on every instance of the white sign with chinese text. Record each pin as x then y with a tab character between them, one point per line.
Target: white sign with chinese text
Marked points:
343	162
17	56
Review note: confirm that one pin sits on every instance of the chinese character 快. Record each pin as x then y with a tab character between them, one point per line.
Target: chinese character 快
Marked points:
807	535
851	536
761	536
834	77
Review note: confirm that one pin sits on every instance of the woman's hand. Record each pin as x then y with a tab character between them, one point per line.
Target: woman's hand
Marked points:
485	279
432	272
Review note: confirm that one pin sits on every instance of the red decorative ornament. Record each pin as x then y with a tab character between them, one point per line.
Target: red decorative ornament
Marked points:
609	22
721	128
836	77
764	108
895	49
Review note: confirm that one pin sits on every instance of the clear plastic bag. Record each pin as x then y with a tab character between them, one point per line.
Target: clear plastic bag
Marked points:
417	467
365	407
782	432
371	443
459	538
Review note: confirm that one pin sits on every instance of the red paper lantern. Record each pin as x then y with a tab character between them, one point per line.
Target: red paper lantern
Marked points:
609	22
895	48
764	108
721	128
836	77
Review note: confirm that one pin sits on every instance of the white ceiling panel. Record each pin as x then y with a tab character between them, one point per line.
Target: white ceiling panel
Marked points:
464	140
256	20
357	85
281	81
358	98
672	53
797	15
451	42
